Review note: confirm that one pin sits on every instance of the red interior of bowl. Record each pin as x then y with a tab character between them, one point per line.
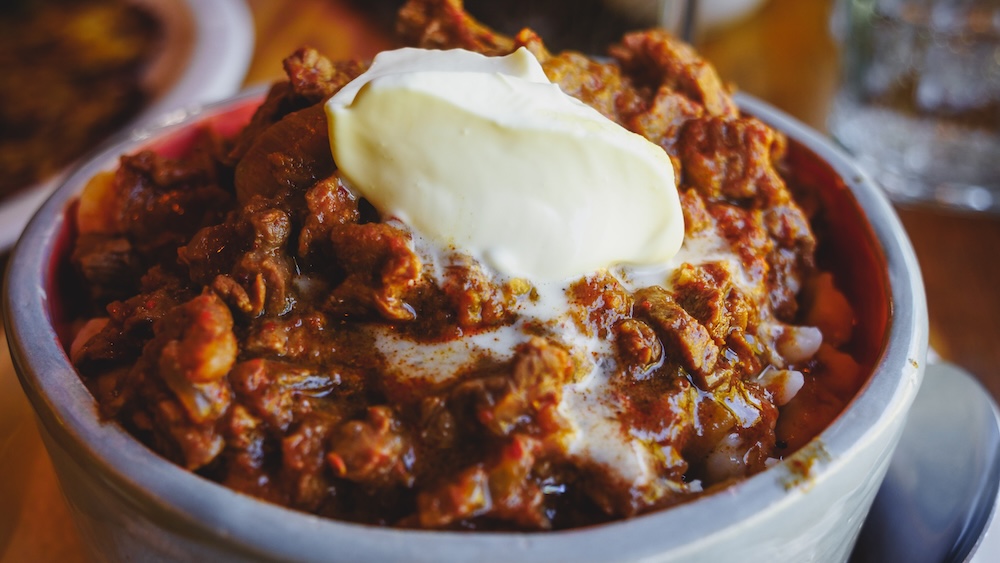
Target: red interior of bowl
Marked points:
848	248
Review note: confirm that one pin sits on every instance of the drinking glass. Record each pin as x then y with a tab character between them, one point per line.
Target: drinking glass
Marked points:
919	100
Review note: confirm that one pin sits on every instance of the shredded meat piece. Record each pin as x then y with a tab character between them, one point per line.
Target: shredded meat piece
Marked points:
181	376
193	349
252	275
196	445
703	292
130	325
199	345
605	301
599	84
312	78
523	399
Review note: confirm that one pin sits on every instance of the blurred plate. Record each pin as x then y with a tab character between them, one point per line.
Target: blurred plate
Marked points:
938	502
206	53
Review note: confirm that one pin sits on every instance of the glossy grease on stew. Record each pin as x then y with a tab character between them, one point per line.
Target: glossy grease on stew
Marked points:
257	323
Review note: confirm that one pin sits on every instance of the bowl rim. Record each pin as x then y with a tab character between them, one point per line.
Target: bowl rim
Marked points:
198	508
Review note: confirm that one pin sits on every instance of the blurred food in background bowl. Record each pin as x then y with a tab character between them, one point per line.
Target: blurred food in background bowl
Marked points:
350	439
75	72
72	75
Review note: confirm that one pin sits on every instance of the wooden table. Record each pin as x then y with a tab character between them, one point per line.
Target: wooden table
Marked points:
782	54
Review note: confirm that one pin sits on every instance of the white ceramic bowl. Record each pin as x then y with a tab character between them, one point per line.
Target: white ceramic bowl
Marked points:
206	52
131	504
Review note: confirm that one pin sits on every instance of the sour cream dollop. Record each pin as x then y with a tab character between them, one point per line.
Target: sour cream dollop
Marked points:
484	155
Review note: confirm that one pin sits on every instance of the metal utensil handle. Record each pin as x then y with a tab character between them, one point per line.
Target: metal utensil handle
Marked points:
688	21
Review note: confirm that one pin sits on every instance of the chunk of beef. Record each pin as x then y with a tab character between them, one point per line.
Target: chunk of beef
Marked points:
659	60
374	451
444	24
290	155
279	102
190	444
745	231
272	390
639	350
522	398
304	472
245	259
663	118
162	202
696	215
130	325
605	301
599	85
475	299
380	268
541	370
703	291
194	348
684	338
330	203
246	455
314	78
730	158
109	265
502	489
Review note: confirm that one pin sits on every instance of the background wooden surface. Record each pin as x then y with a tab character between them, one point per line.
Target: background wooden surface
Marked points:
783	54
